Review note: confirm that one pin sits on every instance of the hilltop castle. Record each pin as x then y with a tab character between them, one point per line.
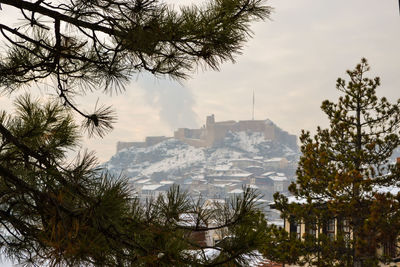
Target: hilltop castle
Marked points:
214	132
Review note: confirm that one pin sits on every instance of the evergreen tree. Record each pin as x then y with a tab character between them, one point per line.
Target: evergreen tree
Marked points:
53	213
86	45
345	173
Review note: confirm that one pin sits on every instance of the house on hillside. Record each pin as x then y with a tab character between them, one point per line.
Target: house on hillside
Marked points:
270	182
154	190
276	163
280	182
246	163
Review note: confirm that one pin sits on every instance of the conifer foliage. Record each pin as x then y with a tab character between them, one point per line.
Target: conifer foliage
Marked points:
54	213
58	214
346	178
85	45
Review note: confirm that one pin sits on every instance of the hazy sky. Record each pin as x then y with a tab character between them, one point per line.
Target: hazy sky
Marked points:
292	64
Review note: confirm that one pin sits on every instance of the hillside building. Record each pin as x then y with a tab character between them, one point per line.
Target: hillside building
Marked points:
212	133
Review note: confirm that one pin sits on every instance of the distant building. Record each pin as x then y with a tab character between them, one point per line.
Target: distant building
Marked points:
214	132
276	163
245	163
338	225
149	141
153	190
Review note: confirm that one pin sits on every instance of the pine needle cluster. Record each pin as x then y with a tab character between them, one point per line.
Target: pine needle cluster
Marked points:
58	214
81	46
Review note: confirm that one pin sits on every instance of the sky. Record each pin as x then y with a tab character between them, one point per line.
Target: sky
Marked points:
291	64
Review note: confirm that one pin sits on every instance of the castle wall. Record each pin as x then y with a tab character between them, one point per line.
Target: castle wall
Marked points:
153	140
149	141
179	134
285	137
291	140
220	131
253	125
210	120
209	135
182	133
195	133
122	145
214	132
270	132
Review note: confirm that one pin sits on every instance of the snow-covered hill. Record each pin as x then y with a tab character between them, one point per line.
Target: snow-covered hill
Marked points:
172	159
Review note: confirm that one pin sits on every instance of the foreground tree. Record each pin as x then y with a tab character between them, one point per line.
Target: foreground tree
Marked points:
345	177
73	214
97	45
76	215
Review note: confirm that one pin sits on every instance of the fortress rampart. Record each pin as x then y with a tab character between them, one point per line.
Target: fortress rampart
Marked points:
149	141
213	132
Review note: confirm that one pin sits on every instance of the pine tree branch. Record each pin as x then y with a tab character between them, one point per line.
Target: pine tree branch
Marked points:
38	8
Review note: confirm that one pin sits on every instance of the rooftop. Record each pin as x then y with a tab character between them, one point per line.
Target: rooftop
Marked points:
151	187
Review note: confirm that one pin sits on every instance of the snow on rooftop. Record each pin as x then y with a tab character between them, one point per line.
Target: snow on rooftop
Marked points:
278	178
166	182
243	174
198	177
225	185
222	167
132	179
267	173
254	166
151	187
143	181
236	191
242	159
226	181
220	185
274	160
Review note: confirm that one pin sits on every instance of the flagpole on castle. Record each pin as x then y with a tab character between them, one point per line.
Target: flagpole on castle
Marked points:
253	106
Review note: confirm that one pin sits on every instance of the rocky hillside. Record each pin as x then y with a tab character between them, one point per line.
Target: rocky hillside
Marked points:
172	159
